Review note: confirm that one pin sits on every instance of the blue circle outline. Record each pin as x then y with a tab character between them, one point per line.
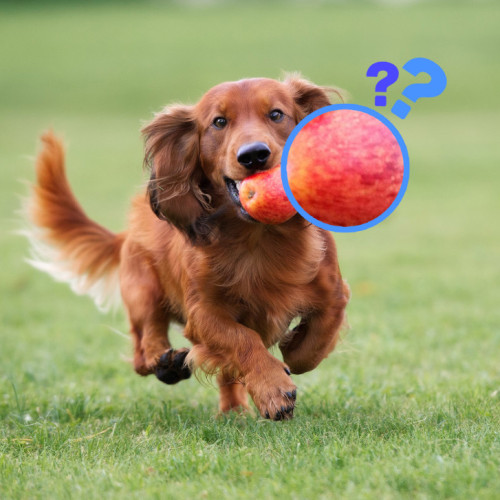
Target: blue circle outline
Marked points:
392	206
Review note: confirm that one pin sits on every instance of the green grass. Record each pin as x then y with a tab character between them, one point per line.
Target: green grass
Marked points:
407	407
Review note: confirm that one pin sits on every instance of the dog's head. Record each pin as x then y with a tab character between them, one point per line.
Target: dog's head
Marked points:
199	154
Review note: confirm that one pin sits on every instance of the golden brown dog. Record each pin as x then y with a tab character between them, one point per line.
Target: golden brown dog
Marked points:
191	253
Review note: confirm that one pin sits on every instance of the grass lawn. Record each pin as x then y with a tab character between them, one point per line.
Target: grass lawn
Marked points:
409	404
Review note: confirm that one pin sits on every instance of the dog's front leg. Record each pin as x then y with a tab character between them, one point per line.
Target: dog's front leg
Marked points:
317	334
149	317
221	344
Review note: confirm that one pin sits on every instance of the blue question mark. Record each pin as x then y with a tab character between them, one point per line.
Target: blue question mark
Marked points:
415	91
382	85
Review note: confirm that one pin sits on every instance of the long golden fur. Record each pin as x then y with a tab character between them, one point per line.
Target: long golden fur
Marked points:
191	254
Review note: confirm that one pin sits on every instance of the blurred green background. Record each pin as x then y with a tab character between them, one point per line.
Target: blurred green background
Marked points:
424	317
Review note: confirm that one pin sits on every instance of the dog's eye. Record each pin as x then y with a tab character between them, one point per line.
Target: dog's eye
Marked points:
219	122
276	115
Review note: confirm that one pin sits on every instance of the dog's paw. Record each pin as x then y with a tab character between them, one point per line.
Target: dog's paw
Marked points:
286	408
171	367
275	400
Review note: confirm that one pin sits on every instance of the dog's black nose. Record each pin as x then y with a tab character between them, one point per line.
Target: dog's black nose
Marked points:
253	155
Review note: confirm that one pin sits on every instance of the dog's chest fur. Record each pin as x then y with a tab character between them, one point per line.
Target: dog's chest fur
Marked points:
264	280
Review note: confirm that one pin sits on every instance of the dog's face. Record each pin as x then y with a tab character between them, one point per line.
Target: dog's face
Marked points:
199	154
243	128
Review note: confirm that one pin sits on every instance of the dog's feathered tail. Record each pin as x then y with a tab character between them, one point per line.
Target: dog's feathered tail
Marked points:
65	243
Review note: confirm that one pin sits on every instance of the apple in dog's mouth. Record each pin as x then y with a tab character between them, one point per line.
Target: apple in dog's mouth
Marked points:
233	188
263	197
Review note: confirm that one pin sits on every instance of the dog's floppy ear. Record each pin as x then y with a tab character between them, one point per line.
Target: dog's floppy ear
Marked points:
309	97
172	154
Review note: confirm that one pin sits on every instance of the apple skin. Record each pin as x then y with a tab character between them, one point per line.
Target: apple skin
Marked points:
345	167
263	197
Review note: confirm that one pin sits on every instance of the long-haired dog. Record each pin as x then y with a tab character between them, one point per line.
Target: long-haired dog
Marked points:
192	254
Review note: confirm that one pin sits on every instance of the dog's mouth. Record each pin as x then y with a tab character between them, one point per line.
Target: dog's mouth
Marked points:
233	188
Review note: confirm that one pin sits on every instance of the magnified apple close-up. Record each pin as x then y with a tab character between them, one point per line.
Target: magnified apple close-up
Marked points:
345	167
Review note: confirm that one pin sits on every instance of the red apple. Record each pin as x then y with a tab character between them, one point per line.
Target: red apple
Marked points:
345	167
263	197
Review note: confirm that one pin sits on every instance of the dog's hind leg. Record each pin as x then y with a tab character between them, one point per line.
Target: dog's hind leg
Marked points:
149	319
233	395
